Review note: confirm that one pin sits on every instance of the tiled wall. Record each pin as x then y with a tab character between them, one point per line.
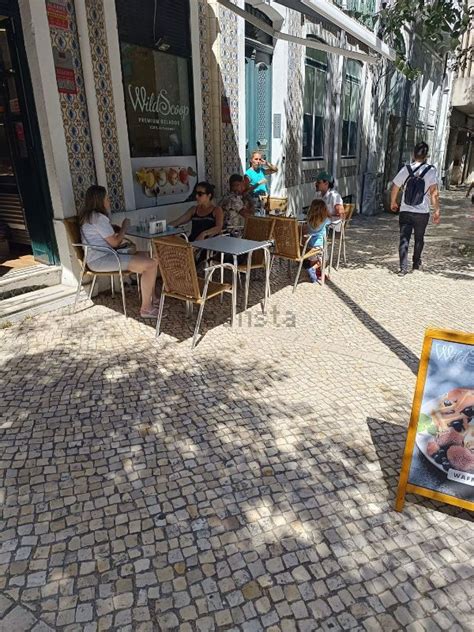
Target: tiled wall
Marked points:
105	101
294	105
229	79
220	90
74	112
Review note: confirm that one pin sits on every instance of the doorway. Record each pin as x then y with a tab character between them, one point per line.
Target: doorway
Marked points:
258	85
26	230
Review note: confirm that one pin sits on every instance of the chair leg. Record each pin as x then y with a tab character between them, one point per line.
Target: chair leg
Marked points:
222	275
333	241
300	265
247	279
344	247
123	293
139	287
198	324
341	241
79	286
91	291
112	285
160	314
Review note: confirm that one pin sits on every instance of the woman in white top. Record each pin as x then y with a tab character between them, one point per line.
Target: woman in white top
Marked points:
325	191
97	230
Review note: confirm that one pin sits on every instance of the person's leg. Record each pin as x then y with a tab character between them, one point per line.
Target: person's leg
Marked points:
420	224
147	268
406	227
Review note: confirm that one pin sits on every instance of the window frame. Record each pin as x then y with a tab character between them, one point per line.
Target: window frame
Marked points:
315	66
353	80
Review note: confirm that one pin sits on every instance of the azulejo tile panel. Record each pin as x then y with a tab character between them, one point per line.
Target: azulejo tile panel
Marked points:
105	101
205	59
74	111
229	82
294	112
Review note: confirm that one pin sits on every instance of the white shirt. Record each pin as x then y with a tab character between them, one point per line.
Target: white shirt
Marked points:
95	233
331	198
430	178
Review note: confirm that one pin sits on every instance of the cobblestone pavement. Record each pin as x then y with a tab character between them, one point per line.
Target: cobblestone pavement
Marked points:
248	485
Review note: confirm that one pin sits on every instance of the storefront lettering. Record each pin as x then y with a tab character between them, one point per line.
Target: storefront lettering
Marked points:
160	103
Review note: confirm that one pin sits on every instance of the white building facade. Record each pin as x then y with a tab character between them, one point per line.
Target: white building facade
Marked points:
147	98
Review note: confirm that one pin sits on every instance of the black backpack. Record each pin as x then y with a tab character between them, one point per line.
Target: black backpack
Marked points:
415	186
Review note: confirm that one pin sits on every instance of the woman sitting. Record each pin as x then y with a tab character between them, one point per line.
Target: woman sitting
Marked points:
207	219
97	230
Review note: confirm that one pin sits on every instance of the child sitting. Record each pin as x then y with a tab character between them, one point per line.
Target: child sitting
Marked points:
237	205
317	221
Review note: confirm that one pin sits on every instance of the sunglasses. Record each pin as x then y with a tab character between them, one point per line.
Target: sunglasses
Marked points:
201	193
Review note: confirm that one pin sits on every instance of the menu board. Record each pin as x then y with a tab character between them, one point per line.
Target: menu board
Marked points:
438	461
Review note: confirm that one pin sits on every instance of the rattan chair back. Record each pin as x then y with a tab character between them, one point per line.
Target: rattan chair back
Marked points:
348	212
73	231
177	266
286	236
258	229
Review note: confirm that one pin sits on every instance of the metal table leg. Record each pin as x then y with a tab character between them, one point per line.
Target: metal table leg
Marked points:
247	278
234	292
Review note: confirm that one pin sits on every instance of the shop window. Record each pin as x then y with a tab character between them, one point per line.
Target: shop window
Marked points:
350	108
314	103
155	48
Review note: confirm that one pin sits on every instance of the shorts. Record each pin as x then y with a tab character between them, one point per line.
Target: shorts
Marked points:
109	263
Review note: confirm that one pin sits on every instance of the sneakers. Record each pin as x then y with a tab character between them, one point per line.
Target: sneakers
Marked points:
402	273
417	266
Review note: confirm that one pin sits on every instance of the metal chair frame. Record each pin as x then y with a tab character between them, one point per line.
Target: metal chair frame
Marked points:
85	269
303	254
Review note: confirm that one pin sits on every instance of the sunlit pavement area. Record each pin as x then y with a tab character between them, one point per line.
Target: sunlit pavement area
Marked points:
248	484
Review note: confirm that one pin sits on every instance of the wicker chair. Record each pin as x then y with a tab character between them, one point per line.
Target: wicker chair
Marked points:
348	213
287	240
274	205
180	280
81	250
258	229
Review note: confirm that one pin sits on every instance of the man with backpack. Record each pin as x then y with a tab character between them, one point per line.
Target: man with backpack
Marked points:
420	185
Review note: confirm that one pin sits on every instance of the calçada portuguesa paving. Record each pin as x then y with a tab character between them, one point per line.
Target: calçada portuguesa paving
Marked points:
248	485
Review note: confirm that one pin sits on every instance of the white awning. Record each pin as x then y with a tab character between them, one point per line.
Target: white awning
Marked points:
318	8
308	7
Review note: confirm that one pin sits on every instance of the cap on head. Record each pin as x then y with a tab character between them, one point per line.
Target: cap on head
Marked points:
324	176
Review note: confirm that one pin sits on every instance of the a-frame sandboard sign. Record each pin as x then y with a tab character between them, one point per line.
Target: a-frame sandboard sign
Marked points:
438	461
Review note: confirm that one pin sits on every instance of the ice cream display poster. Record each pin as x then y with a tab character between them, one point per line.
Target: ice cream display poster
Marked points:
439	454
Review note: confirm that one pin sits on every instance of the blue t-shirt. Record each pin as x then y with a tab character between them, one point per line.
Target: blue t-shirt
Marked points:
317	234
255	175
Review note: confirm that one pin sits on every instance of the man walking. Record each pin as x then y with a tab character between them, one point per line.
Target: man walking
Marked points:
420	182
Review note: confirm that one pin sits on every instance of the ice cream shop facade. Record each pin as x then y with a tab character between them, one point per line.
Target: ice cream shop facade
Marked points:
149	97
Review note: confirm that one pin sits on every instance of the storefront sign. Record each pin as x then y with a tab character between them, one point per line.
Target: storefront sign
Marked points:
57	14
439	453
64	71
158	102
160	118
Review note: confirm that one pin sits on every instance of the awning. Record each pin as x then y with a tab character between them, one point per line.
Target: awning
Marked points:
368	39
315	9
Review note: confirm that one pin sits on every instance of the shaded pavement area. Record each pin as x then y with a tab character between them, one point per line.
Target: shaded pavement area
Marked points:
249	484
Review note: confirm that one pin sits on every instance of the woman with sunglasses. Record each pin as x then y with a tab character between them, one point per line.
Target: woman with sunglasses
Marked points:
206	218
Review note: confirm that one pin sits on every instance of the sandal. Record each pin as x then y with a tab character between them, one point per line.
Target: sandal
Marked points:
149	313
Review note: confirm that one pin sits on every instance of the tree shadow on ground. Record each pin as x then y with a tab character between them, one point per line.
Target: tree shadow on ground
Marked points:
161	470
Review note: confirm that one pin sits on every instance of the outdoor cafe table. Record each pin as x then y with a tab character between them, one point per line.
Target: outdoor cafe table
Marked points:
237	246
134	231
